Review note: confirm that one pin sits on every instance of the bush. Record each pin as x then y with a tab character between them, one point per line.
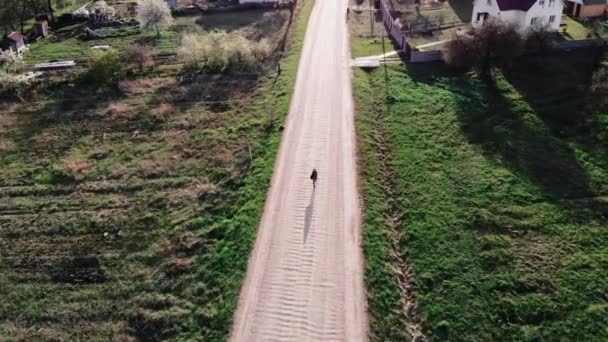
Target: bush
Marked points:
14	84
218	51
106	67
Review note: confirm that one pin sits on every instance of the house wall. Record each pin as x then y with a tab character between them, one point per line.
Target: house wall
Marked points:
590	11
517	18
482	6
520	18
545	12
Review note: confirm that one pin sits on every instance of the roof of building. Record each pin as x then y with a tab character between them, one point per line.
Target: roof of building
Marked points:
15	36
594	2
520	5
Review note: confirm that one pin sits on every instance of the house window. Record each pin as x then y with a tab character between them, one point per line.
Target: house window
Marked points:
551	19
489	2
551	3
541	3
534	21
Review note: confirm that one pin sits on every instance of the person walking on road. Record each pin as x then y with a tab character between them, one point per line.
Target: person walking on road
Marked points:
313	177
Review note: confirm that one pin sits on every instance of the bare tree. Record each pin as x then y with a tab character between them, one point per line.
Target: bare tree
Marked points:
538	40
495	44
154	15
140	55
457	52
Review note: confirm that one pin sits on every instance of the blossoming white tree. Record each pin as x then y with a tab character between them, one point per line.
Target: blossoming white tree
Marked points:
154	15
8	58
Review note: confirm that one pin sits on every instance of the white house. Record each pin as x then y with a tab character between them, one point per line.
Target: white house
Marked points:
523	13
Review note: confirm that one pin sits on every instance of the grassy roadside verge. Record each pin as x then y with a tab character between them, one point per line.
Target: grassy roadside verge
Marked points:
384	296
225	268
502	198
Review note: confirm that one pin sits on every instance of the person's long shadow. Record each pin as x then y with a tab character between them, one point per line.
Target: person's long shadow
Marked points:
308	215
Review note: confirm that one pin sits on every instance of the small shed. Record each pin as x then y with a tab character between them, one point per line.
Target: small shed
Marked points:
14	41
41	28
586	8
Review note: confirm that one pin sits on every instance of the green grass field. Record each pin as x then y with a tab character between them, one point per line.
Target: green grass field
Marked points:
494	196
131	214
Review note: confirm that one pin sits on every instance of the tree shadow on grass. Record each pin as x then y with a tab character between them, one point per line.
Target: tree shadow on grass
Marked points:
557	87
508	131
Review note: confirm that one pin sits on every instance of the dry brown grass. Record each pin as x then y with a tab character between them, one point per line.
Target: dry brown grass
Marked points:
158	165
163	111
119	171
145	85
8	118
179	265
5	145
197	190
41	141
120	111
76	166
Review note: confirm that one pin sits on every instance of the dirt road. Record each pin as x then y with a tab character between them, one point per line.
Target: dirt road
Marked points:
305	277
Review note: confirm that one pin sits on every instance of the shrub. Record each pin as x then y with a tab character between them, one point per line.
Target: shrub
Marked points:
218	51
106	67
15	84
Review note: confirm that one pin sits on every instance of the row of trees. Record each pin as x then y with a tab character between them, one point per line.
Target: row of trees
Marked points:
495	44
218	51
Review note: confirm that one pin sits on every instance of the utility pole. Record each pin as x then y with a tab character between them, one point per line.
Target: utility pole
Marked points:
384	62
371	17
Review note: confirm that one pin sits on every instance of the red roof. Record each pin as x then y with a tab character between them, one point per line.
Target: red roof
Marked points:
521	5
15	36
